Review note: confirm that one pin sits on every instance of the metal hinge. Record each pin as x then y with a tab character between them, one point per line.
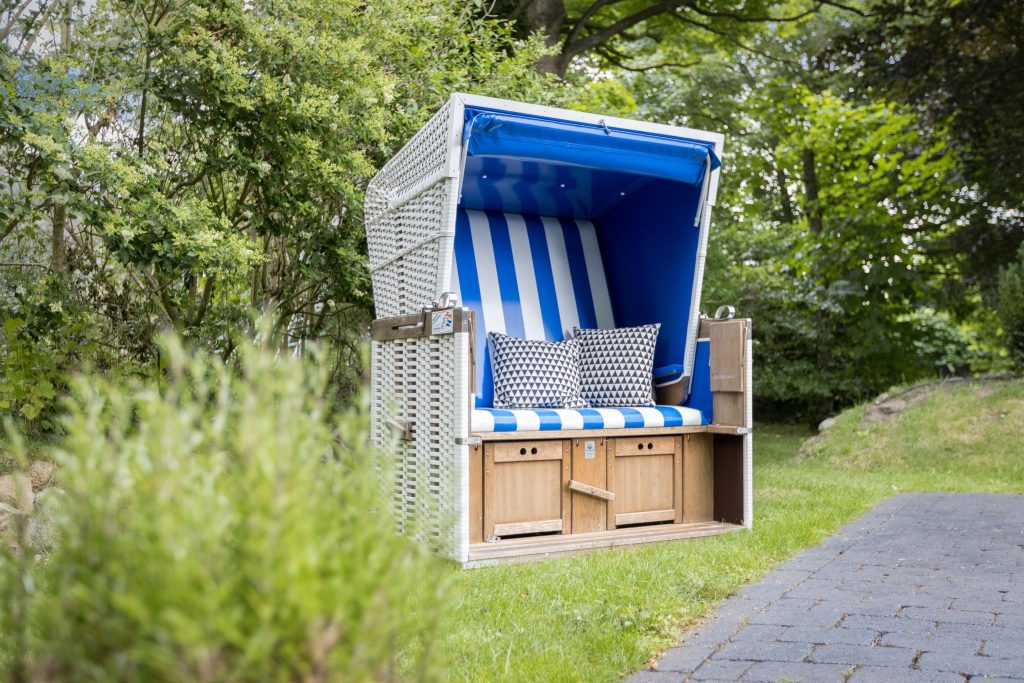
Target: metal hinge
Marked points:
468	441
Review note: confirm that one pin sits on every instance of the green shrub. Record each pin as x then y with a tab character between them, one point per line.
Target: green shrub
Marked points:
1010	305
226	527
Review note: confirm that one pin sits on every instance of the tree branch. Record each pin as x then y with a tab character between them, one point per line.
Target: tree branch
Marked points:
586	16
615	58
741	18
592	40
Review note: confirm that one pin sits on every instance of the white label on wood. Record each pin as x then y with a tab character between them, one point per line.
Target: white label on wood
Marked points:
589	451
442	322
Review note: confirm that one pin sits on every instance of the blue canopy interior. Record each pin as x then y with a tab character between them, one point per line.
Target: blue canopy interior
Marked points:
642	192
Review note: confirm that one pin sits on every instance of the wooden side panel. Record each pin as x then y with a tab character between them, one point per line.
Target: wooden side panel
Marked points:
728	339
728	409
566	495
698	479
589	466
476	494
677	480
728	478
728	373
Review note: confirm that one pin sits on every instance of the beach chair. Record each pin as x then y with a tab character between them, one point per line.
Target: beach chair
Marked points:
530	221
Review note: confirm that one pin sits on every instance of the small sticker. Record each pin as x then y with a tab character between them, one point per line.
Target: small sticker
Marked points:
442	322
589	451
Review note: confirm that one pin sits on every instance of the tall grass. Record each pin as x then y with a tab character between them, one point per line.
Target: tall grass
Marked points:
224	527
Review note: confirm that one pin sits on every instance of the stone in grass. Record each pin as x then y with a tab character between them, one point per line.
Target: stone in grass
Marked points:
16	491
40	473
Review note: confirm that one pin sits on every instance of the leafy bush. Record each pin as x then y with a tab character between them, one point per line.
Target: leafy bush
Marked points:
44	335
1010	306
226	527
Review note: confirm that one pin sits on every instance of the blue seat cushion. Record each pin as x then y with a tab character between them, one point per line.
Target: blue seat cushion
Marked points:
539	419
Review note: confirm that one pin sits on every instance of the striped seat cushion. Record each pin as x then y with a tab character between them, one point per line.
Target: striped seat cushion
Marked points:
532	277
494	420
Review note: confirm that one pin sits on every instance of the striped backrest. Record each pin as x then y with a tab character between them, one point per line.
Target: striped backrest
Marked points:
534	277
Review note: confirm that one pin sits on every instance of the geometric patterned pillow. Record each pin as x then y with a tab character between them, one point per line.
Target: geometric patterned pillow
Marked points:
616	366
530	373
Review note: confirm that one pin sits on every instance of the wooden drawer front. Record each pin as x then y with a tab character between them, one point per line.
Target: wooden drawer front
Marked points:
527	491
644	445
644	483
519	451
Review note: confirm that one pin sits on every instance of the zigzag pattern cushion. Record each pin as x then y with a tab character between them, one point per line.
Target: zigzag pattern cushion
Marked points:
529	373
616	365
485	420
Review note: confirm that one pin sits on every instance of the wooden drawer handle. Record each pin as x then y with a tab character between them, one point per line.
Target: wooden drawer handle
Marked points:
588	490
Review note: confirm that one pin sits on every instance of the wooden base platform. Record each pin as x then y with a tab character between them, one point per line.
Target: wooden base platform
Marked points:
508	551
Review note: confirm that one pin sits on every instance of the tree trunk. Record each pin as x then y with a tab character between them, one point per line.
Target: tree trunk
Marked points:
824	406
58	232
786	203
58	244
547	17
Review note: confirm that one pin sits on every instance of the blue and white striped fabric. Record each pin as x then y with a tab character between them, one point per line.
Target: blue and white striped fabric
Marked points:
495	420
533	277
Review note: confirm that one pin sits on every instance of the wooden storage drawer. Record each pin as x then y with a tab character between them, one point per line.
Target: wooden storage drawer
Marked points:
645	474
525	488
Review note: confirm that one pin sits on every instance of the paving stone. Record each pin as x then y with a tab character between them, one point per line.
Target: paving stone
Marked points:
863	654
886	674
971	665
975	632
1003	648
888	624
722	669
772	651
950	616
932	643
759	632
923	579
684	659
1011	620
796	672
824	636
995	606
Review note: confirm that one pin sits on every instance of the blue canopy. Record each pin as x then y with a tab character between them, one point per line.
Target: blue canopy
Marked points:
538	194
531	138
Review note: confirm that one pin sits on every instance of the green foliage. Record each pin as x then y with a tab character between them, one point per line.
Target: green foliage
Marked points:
186	164
44	333
228	527
835	211
960	65
1010	305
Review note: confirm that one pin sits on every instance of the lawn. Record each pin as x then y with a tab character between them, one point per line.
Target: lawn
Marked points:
597	616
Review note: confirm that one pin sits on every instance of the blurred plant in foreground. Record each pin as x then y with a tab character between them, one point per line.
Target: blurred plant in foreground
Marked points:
225	527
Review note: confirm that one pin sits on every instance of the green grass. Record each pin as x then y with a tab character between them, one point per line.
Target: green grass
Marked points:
596	616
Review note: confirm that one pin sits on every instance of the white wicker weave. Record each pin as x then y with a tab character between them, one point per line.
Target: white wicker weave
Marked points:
424	382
